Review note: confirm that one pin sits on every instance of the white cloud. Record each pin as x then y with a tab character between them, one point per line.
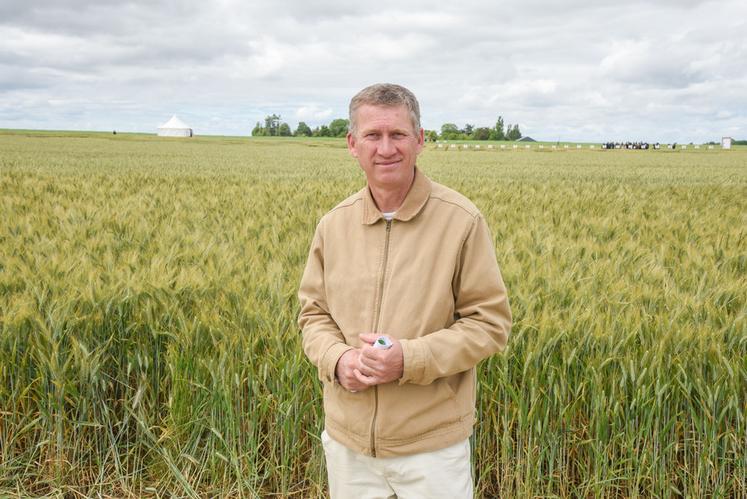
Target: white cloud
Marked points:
665	69
313	114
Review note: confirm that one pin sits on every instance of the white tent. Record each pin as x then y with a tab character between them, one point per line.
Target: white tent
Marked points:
174	128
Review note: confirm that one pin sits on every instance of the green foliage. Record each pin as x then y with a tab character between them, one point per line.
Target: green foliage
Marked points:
272	124
338	127
302	130
516	133
148	337
258	130
322	131
284	130
449	131
481	133
513	132
497	133
273	128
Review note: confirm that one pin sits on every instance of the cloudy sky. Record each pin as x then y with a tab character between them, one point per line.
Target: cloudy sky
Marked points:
659	70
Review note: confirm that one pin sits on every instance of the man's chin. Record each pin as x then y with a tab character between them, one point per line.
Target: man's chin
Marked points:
388	166
390	178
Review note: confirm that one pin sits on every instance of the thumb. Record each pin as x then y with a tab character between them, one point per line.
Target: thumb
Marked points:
368	338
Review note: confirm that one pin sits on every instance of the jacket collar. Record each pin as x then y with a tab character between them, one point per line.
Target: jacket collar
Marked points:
416	198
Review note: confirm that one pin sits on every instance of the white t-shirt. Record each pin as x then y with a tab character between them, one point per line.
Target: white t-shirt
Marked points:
388	215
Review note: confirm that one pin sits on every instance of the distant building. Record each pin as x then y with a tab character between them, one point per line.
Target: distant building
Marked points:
526	139
726	142
174	128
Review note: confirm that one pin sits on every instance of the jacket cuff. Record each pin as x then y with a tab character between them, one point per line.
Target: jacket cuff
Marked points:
414	355
329	361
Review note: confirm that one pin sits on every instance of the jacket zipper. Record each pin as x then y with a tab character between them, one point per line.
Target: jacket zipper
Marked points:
375	331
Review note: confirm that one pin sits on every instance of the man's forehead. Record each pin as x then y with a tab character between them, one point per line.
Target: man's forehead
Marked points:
373	116
368	108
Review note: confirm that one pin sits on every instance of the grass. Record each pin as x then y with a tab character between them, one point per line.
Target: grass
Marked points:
148	337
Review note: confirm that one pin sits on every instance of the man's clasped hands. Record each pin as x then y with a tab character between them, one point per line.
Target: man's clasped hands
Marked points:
364	367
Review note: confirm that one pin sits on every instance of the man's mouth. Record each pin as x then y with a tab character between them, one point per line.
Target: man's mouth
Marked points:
388	163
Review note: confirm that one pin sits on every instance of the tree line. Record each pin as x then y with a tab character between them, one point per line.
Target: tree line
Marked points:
501	131
275	127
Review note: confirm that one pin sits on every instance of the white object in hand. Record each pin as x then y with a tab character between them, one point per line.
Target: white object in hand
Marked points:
383	343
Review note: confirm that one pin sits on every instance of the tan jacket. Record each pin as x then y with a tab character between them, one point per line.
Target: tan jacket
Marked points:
428	278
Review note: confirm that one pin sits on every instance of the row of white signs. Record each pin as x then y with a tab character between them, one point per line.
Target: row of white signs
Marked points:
541	146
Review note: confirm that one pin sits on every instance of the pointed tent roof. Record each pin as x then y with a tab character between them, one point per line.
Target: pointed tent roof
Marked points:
174	122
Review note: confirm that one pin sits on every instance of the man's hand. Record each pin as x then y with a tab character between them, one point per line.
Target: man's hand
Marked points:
377	366
344	371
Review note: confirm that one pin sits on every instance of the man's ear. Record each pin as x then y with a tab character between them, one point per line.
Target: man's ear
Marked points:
351	145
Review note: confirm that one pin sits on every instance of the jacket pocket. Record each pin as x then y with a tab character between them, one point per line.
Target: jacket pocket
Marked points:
350	411
410	410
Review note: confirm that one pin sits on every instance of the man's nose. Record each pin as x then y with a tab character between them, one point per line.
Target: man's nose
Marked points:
386	146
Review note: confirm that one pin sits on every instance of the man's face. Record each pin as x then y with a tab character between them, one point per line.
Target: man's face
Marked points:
385	145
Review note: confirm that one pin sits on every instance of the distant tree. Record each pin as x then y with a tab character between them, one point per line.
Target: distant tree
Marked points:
258	131
513	133
324	131
284	130
272	124
449	131
468	129
517	132
481	133
303	130
497	133
338	127
431	135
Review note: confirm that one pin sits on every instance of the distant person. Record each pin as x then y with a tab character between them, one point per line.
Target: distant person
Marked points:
400	299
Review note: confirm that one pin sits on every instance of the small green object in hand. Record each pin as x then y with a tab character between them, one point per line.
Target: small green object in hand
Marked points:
383	342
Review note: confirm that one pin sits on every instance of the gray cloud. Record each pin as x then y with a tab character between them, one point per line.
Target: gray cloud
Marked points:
665	69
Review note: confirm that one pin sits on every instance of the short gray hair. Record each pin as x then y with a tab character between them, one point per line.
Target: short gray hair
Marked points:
387	95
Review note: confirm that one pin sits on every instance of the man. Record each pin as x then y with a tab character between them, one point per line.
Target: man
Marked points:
412	261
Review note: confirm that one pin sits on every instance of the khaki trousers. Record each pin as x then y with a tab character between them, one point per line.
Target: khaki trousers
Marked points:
445	473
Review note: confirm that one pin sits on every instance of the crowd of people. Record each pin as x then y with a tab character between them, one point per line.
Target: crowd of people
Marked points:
627	145
637	145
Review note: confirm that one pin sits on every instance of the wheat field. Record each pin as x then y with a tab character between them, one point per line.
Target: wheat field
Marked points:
148	337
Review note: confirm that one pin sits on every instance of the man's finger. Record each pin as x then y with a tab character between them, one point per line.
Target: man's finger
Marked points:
368	338
354	384
371	353
351	383
366	380
366	370
370	367
368	362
